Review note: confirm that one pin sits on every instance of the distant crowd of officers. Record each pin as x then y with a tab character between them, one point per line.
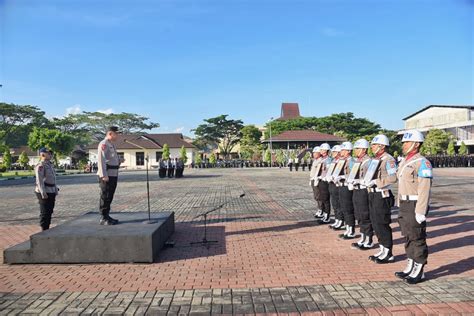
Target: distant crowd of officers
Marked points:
353	186
171	168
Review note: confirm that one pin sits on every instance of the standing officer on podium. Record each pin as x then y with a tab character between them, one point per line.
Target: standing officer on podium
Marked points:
108	165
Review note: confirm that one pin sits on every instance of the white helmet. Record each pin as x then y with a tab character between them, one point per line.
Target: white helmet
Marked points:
336	148
413	136
361	143
381	139
346	146
316	149
325	146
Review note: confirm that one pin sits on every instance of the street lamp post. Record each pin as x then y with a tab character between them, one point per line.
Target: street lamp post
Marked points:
271	148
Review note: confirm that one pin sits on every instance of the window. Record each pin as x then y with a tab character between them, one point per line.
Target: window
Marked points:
140	157
120	155
159	154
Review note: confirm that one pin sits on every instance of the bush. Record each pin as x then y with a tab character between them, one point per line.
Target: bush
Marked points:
3	168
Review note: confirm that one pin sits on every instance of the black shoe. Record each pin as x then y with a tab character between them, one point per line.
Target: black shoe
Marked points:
113	220
340	228
348	237
387	259
416	275
418	279
409	268
106	222
366	247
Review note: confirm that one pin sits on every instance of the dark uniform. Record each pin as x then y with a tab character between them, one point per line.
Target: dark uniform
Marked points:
46	191
381	201
360	199
345	200
415	177
108	165
162	169
335	202
323	186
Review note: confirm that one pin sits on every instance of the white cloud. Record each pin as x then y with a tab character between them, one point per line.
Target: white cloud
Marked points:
106	111
331	32
179	129
75	109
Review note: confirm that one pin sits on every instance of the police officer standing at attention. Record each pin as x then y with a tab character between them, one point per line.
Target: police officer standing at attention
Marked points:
324	197
108	163
360	197
381	198
46	189
313	180
415	175
345	195
334	193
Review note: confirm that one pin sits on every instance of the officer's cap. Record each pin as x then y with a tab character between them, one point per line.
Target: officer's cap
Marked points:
325	146
44	150
361	143
336	148
346	146
316	149
381	140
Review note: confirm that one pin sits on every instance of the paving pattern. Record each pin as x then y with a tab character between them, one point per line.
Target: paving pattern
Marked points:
271	256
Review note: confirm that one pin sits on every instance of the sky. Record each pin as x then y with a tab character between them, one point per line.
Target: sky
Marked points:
179	62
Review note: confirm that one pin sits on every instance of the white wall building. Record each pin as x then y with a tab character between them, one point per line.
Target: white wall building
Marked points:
455	119
134	149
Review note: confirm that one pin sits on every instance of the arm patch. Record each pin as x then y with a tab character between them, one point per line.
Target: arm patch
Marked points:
425	170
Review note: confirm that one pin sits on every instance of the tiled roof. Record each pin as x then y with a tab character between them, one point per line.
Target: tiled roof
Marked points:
289	111
149	141
469	107
305	135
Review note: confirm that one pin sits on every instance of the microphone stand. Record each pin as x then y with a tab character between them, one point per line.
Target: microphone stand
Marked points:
205	242
149	221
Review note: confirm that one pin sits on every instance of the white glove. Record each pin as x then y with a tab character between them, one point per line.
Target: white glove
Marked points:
355	181
420	218
310	184
372	183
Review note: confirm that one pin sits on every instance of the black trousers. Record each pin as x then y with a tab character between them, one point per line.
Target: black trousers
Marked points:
380	216
315	193
46	209
162	172
324	197
170	172
336	205
414	233
347	207
107	191
297	165
360	199
291	166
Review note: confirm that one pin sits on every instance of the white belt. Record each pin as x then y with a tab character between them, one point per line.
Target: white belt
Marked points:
409	197
375	190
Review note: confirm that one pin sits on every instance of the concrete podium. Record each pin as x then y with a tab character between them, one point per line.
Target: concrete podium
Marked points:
83	240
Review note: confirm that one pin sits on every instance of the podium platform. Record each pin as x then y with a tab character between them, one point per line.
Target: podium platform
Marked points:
83	240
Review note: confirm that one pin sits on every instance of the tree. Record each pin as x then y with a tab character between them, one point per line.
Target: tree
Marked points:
221	132
435	142
183	154
463	149
198	160
268	156
166	152
23	160
344	124
7	159
17	121
250	141
280	156
212	159
60	143
451	151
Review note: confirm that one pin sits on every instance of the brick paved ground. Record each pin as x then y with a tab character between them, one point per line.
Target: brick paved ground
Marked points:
271	257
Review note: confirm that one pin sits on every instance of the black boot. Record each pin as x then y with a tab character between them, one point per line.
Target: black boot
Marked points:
357	245
403	274
115	221
375	256
350	233
417	275
368	244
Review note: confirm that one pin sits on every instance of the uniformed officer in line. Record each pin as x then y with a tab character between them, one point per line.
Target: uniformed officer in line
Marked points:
381	198
415	176
334	193
313	180
324	197
290	164
108	165
46	189
360	197
162	169
345	195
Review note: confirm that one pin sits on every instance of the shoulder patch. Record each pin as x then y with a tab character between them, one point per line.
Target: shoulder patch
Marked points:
103	146
40	168
425	170
391	167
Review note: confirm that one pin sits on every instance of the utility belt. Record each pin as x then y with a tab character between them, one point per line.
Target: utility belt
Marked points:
50	185
409	197
112	167
359	186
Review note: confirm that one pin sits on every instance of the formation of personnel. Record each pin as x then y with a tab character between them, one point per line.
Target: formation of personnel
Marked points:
356	187
171	167
455	161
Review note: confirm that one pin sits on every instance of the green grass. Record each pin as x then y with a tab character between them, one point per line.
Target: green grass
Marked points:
17	173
